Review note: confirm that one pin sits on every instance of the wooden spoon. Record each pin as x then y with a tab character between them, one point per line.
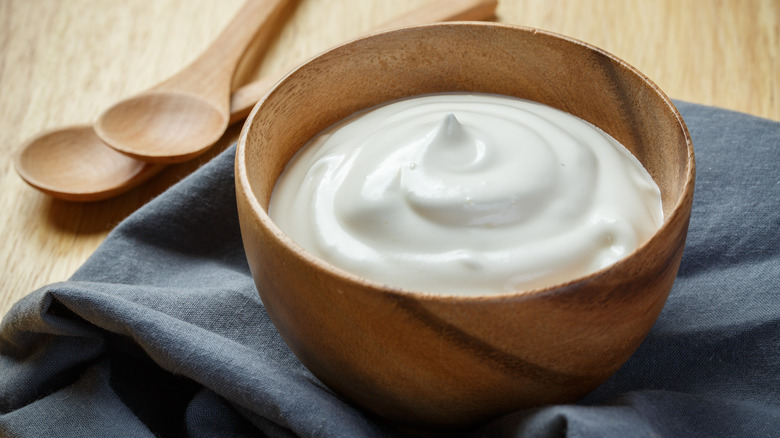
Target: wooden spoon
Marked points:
74	164
183	116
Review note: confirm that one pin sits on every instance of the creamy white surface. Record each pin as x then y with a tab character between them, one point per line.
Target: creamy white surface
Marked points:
466	194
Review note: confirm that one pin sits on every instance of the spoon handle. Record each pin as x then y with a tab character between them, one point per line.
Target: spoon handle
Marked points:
213	70
245	97
444	10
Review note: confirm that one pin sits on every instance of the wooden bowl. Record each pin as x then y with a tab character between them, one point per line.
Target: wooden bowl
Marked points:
425	360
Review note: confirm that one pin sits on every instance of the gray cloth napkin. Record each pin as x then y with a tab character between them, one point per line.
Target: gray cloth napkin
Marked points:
162	333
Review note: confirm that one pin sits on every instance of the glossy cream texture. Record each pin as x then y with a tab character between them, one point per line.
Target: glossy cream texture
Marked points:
466	194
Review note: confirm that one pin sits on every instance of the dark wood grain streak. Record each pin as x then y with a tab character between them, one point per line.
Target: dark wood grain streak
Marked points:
502	361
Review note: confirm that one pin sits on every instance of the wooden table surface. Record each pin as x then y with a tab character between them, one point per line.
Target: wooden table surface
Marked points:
62	62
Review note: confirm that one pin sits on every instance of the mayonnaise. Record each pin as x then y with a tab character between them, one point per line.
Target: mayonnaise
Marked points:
466	194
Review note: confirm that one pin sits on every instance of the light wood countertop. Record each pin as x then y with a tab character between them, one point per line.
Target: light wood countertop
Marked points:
62	62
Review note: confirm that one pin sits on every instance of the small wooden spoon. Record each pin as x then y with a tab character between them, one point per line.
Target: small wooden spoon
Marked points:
74	164
183	116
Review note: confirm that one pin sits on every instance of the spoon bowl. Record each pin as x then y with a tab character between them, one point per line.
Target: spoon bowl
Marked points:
46	163
162	126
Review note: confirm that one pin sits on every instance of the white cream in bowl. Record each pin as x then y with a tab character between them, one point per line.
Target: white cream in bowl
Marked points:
466	194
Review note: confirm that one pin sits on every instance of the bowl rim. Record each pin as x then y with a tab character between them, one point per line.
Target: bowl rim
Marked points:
261	214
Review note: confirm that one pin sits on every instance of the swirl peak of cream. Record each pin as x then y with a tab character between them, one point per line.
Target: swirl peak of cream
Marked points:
466	194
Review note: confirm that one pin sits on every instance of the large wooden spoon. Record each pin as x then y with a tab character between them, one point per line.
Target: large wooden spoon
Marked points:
74	164
183	116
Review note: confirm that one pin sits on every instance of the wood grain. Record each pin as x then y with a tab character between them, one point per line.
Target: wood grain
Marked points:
62	63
